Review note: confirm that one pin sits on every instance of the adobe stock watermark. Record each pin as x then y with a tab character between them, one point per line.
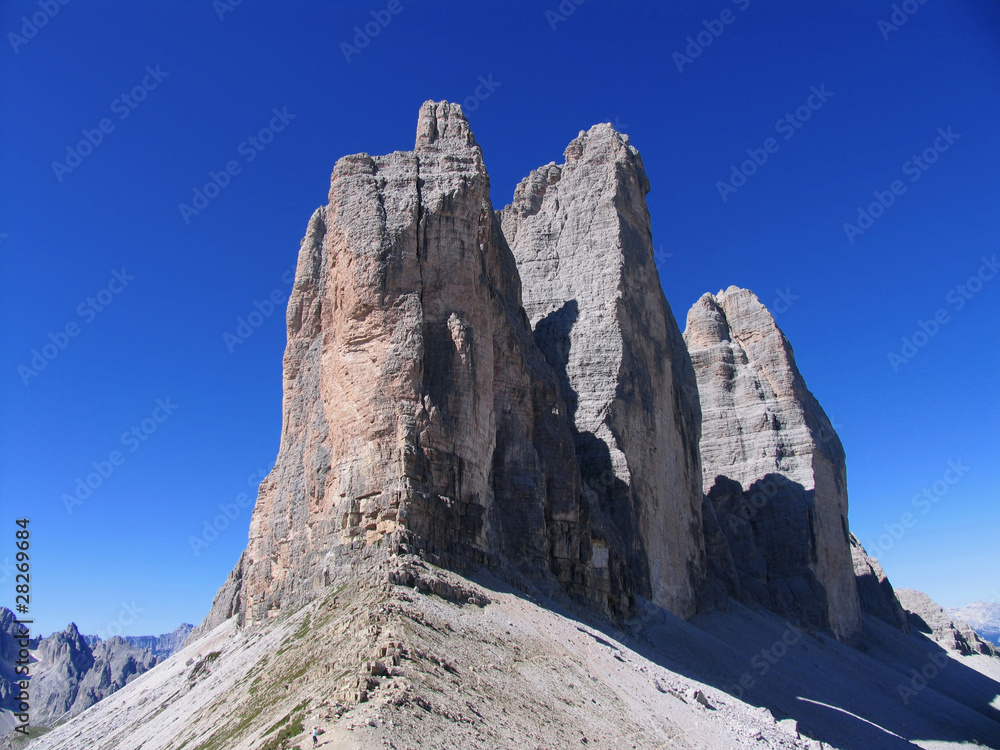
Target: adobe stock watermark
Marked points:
703	39
224	7
245	326
618	125
88	310
483	91
249	148
786	127
8	569
562	12
901	13
363	35
122	106
919	680
784	301
48	9
914	168
957	297
103	470
765	659
923	501
661	256
229	512
128	614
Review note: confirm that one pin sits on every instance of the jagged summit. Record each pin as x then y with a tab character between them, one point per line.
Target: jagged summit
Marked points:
580	232
443	124
420	416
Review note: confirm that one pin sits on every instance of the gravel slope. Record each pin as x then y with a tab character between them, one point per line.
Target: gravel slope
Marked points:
380	665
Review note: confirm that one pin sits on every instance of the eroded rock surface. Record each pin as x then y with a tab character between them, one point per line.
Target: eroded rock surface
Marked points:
580	232
762	428
419	414
875	593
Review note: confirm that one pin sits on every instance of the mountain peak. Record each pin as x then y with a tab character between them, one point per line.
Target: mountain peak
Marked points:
443	124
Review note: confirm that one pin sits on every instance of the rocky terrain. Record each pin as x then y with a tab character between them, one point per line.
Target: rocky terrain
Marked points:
71	672
377	664
875	594
70	676
161	646
983	617
9	648
513	507
926	616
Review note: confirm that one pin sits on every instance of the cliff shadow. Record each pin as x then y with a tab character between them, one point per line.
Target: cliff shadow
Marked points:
609	510
834	692
764	547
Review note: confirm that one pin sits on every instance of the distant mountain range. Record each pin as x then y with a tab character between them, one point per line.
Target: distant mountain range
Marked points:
161	646
984	617
71	672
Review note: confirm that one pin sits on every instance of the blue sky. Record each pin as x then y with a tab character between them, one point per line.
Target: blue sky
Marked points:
182	422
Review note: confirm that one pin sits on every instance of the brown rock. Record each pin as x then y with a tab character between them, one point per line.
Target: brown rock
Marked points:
418	413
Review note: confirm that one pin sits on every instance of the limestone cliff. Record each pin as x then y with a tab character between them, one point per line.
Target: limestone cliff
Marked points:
580	232
419	415
875	593
763	429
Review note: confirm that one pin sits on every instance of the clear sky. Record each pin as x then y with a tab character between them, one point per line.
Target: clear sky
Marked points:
92	237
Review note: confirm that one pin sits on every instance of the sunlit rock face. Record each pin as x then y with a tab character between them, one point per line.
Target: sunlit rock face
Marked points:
420	414
580	232
762	428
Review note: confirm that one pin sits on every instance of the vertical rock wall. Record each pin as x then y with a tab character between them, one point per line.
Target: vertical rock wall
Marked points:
762	428
580	232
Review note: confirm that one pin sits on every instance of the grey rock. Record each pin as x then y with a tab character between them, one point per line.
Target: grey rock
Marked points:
768	535
67	673
983	617
763	429
876	594
10	645
161	646
70	675
580	232
928	617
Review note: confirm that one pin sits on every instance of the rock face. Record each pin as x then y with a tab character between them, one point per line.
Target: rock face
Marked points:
580	232
875	593
763	430
983	617
420	415
160	646
928	617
